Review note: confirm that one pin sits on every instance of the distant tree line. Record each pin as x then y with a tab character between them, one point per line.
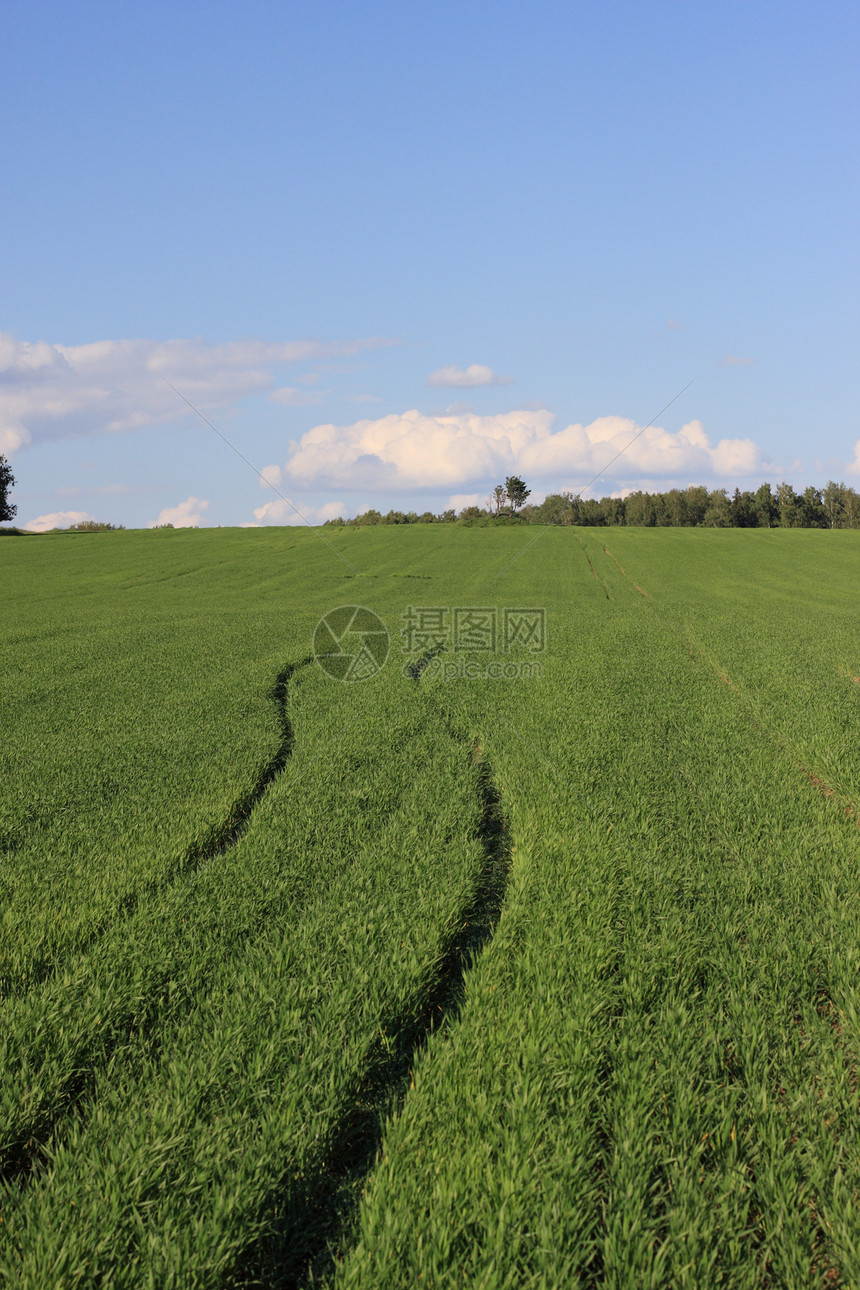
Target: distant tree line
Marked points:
94	526
836	506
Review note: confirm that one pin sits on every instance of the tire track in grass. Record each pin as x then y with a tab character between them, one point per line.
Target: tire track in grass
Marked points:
18	1160
824	1265
825	1270
218	840
227	834
597	577
849	810
306	1248
768	1165
415	670
626	575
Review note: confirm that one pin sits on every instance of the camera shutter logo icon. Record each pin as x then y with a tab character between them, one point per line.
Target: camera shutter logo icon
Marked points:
351	643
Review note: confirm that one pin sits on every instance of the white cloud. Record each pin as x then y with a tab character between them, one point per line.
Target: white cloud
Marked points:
854	466
13	435
444	451
57	520
735	457
187	515
458	501
457	378
280	511
293	397
270	476
49	391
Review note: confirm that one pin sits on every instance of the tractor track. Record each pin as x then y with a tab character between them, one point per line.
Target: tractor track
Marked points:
219	840
849	810
595	574
321	1207
24	1149
626	575
305	1251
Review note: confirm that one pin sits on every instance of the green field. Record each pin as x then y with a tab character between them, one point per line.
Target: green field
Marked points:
546	978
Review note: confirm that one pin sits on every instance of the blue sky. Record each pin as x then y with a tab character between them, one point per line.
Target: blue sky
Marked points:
395	251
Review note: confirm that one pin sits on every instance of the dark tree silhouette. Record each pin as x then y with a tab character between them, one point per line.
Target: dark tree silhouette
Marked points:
516	491
7	482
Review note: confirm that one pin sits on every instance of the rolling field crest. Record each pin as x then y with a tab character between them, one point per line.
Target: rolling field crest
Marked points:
529	958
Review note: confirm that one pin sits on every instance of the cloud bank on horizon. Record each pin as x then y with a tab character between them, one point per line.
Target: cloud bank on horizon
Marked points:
52	391
187	515
286	511
411	450
57	520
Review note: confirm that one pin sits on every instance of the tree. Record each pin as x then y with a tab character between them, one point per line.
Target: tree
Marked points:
812	513
765	507
676	511
7	482
554	509
851	508
719	512
697	504
741	510
470	514
639	509
831	499
497	498
841	505
612	509
516	491
590	512
787	501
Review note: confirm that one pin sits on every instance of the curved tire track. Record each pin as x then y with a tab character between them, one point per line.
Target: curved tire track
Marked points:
304	1251
21	1147
228	833
320	1212
219	839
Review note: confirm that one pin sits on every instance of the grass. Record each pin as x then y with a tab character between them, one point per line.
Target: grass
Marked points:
485	982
